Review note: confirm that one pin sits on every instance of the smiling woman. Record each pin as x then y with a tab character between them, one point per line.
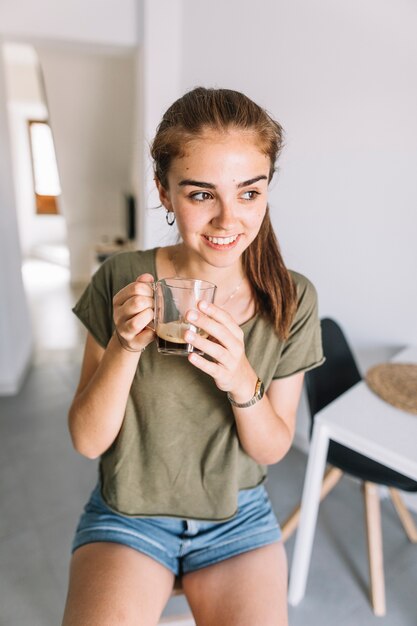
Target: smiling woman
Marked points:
184	441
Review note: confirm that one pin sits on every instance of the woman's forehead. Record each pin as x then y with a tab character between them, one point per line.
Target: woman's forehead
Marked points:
224	137
213	145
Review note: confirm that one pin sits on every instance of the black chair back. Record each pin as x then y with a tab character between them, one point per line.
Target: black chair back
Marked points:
326	383
337	374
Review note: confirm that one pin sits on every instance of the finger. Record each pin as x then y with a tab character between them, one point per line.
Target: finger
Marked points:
133	306
214	350
210	368
147	336
145	278
139	343
133	326
214	329
143	339
221	316
131	290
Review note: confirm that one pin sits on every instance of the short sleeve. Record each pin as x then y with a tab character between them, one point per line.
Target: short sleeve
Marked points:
95	309
303	349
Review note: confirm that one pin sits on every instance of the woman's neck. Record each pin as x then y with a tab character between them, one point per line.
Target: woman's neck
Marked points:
189	266
234	292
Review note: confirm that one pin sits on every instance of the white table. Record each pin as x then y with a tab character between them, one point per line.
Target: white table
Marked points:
359	420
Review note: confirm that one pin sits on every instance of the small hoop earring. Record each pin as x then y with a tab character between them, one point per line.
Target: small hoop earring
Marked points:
169	220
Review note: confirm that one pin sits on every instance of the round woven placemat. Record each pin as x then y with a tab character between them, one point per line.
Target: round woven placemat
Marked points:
395	383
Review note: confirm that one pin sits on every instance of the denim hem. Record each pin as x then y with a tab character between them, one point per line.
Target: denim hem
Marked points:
241	545
94	535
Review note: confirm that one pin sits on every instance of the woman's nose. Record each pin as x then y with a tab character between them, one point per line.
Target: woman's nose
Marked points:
225	217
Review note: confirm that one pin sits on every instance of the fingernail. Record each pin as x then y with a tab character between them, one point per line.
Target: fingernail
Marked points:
203	305
192	315
189	335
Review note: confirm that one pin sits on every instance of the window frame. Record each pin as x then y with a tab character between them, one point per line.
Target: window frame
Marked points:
44	204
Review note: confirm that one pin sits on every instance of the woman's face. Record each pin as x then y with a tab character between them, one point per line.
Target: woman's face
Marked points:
218	192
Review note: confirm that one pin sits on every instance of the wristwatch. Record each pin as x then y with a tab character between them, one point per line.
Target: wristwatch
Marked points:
258	395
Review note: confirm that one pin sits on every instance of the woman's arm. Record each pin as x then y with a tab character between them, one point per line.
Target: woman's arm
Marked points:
265	429
97	411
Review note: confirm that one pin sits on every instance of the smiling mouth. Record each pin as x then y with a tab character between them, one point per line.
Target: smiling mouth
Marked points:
221	241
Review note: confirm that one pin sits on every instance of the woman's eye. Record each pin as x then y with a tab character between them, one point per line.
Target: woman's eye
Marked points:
250	195
200	196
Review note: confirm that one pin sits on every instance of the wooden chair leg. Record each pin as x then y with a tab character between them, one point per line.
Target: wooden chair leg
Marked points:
331	478
375	554
404	515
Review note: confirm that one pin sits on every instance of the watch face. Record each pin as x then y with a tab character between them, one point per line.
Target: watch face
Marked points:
258	395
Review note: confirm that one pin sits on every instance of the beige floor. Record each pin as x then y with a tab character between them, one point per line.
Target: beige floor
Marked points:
56	332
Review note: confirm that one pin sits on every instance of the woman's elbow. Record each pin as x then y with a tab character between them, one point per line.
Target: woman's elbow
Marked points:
275	453
86	451
270	458
84	447
80	442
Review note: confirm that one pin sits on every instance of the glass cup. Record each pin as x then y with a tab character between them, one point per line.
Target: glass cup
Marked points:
173	298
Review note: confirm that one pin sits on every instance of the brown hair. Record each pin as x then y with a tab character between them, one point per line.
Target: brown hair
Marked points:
223	109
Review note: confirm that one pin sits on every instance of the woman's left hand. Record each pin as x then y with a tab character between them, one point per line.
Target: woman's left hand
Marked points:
230	367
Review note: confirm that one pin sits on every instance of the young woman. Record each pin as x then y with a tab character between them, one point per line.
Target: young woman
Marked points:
184	441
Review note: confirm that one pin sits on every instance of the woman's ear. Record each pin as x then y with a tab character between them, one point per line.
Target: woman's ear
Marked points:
164	195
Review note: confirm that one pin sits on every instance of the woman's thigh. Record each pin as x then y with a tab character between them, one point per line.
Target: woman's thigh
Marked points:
112	584
246	590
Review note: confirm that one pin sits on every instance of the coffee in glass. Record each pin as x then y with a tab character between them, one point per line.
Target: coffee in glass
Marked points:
173	298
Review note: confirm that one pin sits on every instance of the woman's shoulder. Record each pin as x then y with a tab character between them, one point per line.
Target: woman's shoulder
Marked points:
137	261
123	268
307	299
304	286
131	258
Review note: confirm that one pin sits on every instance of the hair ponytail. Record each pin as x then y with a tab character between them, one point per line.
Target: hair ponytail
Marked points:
274	290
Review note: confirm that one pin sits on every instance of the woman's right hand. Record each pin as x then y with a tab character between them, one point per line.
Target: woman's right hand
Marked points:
133	311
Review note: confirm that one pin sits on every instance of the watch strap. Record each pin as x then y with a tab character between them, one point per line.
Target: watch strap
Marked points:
258	395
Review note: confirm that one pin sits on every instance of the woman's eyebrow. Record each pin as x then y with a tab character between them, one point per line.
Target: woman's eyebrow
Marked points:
195	183
198	183
251	181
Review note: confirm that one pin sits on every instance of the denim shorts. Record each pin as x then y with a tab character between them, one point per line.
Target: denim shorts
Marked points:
183	545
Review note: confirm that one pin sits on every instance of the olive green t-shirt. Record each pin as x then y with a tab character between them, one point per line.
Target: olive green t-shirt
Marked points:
178	452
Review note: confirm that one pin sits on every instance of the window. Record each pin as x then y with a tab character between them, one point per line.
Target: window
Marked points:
44	167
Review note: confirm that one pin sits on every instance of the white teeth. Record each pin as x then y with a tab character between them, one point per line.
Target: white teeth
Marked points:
222	241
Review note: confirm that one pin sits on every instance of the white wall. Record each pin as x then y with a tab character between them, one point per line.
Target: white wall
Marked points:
159	79
109	22
341	78
90	97
15	330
